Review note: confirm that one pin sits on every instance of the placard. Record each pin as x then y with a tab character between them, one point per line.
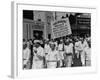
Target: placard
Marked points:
61	28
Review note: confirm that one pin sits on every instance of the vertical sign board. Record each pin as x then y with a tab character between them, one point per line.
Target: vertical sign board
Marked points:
61	28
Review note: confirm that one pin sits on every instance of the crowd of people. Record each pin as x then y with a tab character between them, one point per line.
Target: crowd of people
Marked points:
69	51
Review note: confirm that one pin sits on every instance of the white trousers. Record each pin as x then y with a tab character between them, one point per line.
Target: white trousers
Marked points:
68	61
83	58
37	64
51	64
27	64
61	57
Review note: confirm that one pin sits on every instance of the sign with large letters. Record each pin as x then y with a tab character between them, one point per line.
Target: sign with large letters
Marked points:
61	28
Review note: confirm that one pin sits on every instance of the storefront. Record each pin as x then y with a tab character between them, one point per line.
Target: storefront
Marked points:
33	29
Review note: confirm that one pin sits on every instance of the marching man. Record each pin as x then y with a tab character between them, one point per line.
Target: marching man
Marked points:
52	56
88	55
61	52
46	50
78	47
84	52
38	55
46	47
26	56
68	48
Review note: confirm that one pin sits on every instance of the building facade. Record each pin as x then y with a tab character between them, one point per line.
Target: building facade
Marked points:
40	26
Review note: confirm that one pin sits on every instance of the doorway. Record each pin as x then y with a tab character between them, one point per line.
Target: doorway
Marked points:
38	34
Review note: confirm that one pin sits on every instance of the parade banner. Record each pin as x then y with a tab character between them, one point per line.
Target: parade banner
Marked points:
61	28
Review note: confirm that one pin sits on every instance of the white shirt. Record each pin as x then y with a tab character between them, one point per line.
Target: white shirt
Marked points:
40	52
85	44
26	53
78	46
56	45
52	55
88	54
46	48
68	48
60	47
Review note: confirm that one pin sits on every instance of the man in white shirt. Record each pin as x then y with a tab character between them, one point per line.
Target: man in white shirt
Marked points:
52	56
26	57
46	47
84	52
38	55
61	53
88	55
46	50
68	48
56	44
78	47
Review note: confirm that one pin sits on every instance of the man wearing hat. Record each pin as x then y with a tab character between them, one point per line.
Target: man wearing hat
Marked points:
61	52
38	55
52	56
68	48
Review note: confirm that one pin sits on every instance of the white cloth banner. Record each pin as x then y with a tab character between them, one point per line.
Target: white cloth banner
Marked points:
61	28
